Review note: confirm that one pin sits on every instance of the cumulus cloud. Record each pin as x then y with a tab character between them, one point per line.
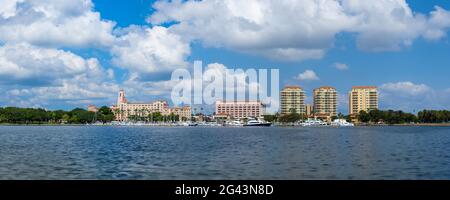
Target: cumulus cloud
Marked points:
148	50
341	66
54	23
34	68
35	77
79	89
292	30
438	22
299	30
30	65
406	88
409	96
139	90
308	75
164	87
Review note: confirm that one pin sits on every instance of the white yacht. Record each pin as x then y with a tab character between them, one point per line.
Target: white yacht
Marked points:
341	122
255	122
313	122
189	124
234	123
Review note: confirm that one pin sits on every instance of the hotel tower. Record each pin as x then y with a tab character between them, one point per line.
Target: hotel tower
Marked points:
325	103
363	98
292	99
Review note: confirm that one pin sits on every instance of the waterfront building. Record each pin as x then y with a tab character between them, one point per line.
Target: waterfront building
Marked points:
184	112
240	109
221	116
309	110
292	99
124	109
325	103
363	98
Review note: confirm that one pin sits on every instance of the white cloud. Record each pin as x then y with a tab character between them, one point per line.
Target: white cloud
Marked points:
54	23
409	96
406	88
439	21
384	25
291	54
148	50
27	64
307	75
164	87
341	66
39	77
139	90
299	30
8	8
33	71
291	30
32	31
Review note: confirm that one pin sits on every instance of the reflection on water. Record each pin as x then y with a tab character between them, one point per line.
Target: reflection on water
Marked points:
224	153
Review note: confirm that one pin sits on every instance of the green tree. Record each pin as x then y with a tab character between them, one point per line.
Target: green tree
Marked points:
290	118
270	118
81	116
157	117
66	117
363	116
376	115
105	114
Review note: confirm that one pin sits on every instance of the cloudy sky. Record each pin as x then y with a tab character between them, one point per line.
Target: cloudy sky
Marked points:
65	54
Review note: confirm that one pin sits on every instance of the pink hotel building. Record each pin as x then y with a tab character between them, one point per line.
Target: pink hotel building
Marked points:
240	109
124	109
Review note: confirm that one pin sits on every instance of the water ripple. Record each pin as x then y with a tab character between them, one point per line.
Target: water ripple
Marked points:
43	152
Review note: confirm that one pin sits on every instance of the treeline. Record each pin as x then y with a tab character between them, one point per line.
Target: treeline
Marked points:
286	118
157	117
434	116
376	116
15	115
400	117
387	117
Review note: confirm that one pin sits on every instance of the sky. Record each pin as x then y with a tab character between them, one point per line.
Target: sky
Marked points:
66	54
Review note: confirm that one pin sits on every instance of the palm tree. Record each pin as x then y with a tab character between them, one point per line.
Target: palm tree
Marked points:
135	114
340	116
141	114
145	110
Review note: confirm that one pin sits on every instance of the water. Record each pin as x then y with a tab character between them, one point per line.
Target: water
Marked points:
45	152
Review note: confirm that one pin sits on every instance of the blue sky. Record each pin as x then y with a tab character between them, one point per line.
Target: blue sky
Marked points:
405	54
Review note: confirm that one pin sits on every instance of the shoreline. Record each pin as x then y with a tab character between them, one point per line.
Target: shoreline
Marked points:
418	125
166	125
423	124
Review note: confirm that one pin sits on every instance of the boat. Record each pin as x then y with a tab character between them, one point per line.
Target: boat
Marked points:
193	124
313	122
189	124
257	123
209	124
234	123
341	122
